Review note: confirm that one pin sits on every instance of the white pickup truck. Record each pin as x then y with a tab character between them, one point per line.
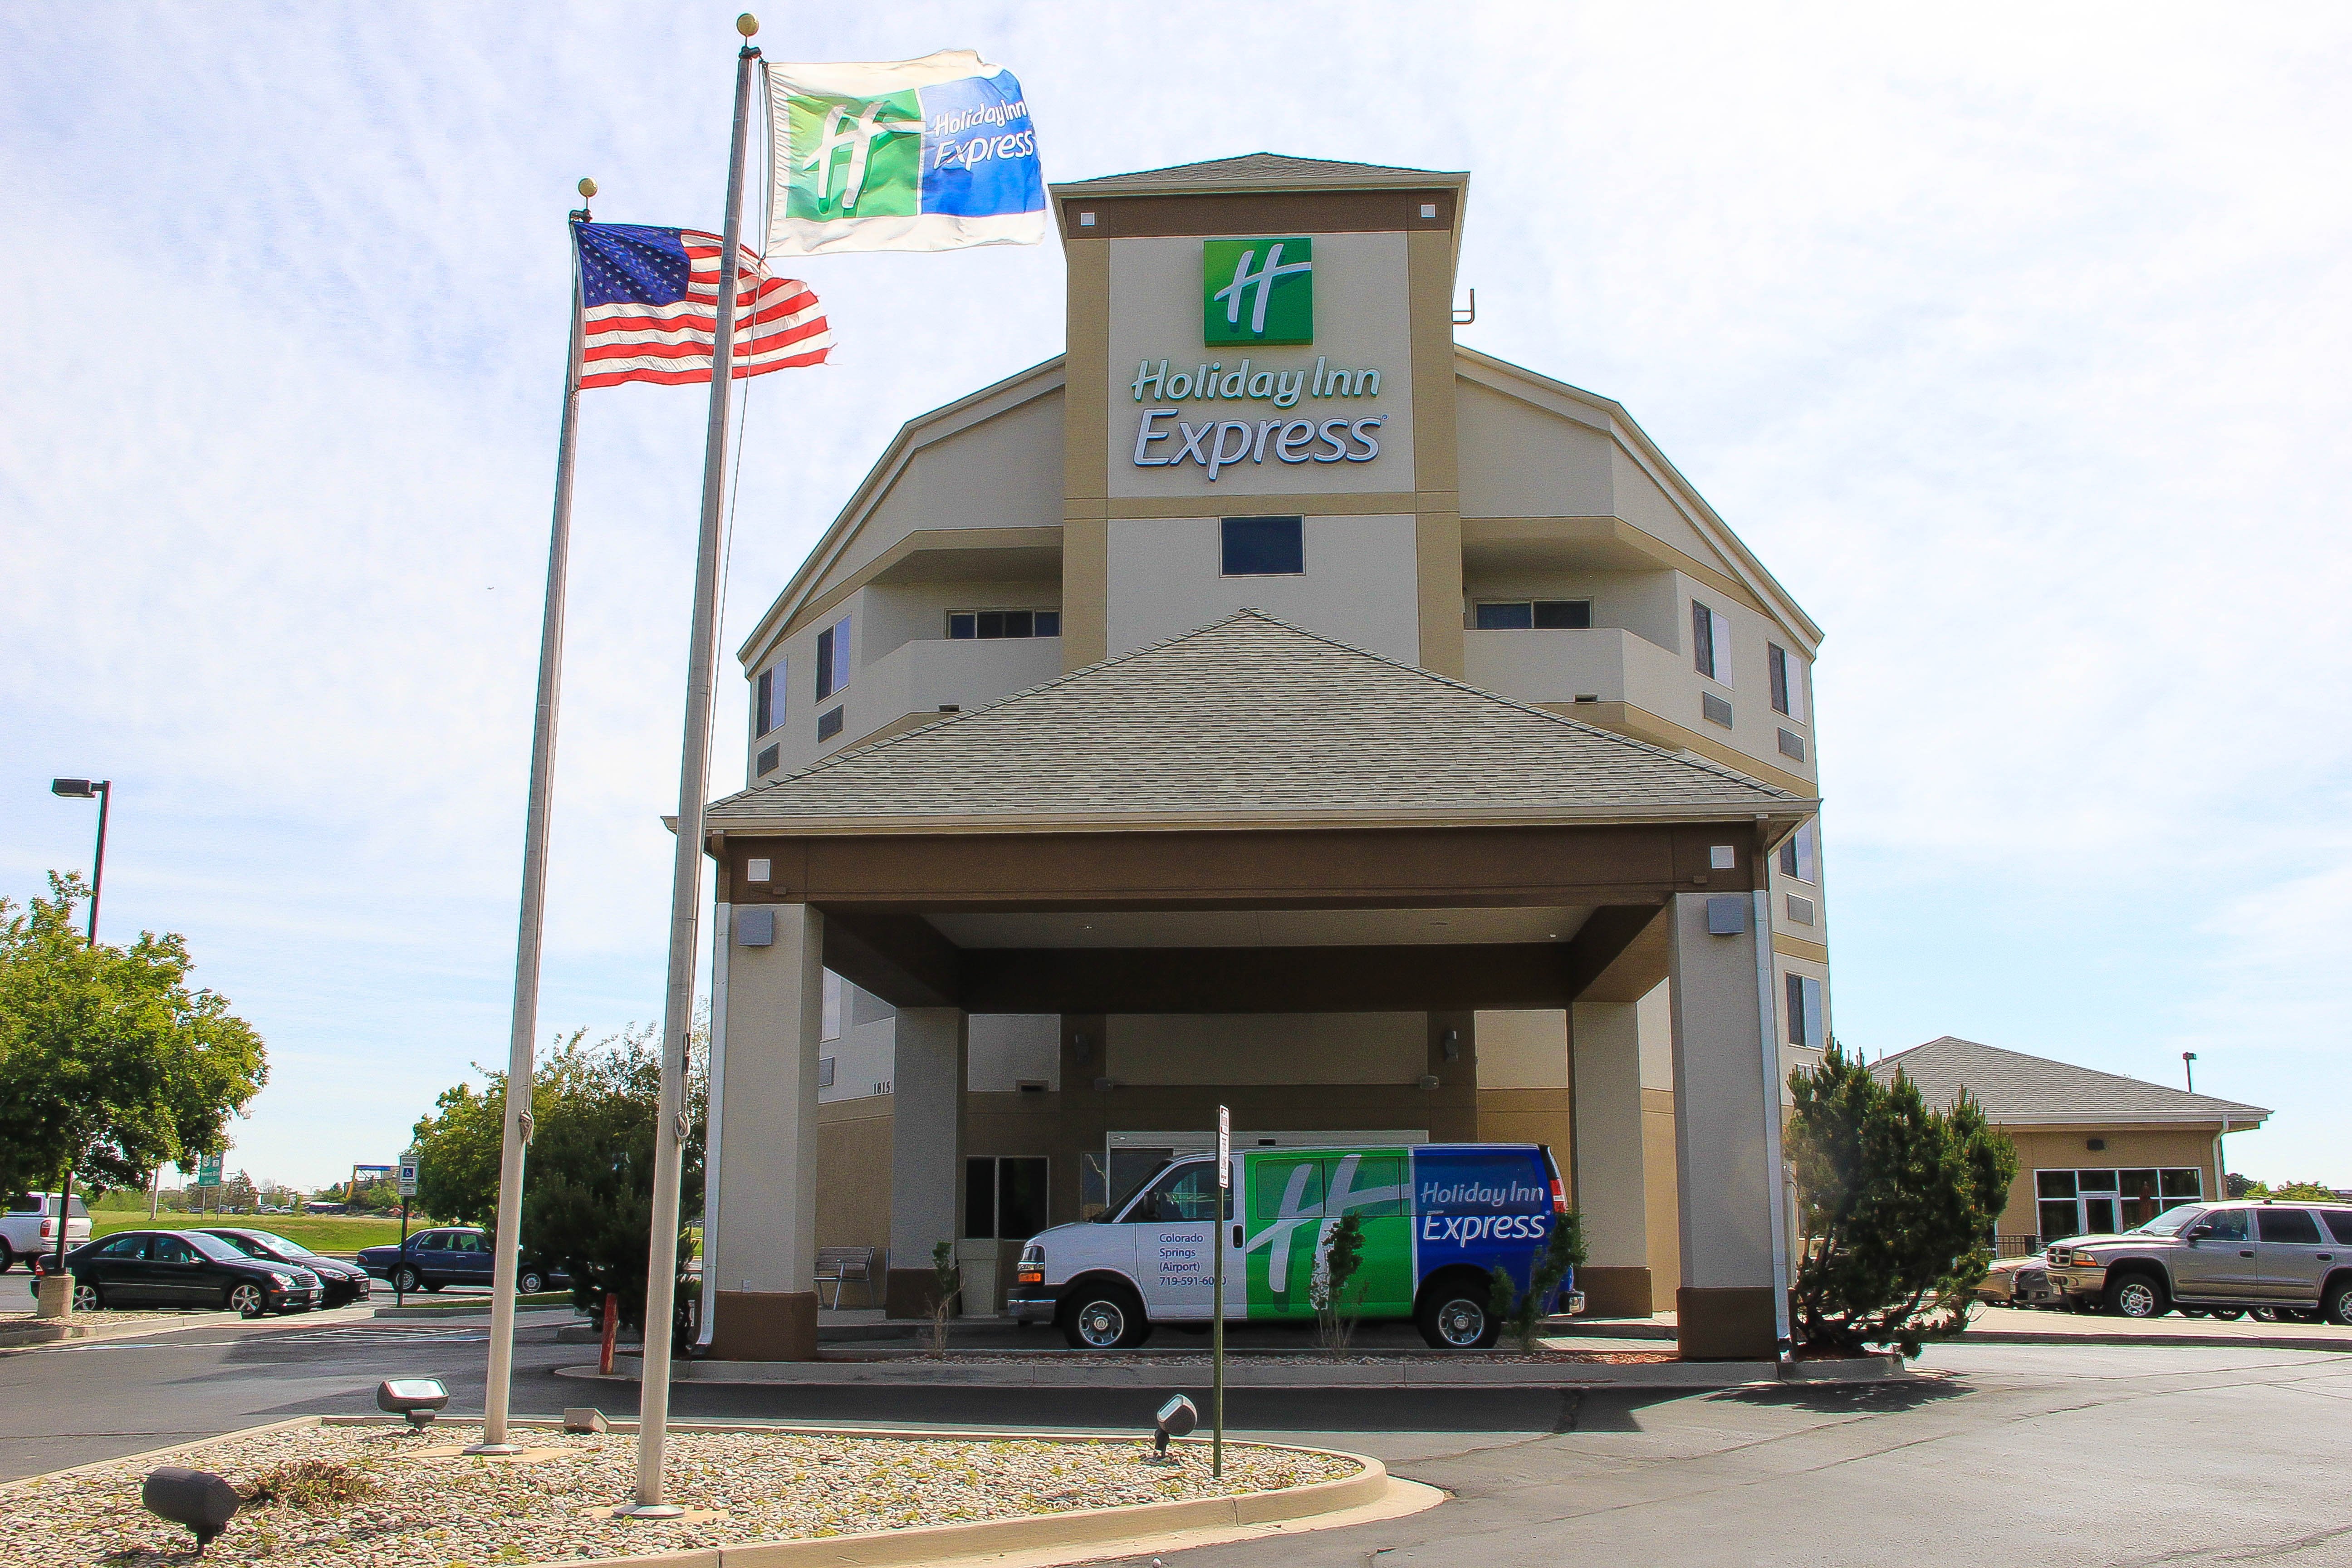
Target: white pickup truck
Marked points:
30	1226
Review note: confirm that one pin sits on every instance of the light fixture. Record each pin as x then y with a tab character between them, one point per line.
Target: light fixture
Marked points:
1427	1080
419	1399
76	789
203	1501
1176	1419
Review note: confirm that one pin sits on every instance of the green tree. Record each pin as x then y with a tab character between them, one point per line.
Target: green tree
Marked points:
1521	1315
1897	1202
588	1173
110	1065
2303	1193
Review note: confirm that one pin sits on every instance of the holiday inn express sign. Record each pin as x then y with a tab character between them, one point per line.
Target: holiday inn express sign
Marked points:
1254	294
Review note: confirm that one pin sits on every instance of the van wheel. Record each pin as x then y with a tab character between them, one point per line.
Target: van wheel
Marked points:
1105	1318
2138	1296
2336	1305
1453	1318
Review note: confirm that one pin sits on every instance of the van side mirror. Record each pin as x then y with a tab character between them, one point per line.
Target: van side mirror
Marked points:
2199	1232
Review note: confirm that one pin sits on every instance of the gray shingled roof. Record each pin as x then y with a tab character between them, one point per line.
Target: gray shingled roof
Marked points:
2019	1089
1251	721
1258	169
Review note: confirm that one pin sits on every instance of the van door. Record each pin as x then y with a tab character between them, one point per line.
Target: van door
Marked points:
1175	1231
1481	1208
1282	1233
2215	1260
1373	1187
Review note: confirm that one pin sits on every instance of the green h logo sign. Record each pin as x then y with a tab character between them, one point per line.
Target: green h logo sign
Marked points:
1257	290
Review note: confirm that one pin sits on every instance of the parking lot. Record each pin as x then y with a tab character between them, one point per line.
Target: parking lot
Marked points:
2083	1453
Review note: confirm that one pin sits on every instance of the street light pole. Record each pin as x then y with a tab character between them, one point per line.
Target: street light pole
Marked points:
2189	1066
102	790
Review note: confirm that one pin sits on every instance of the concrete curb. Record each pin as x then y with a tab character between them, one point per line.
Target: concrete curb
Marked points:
1847	1369
2336	1343
46	1332
547	1302
1096	1533
1157	1376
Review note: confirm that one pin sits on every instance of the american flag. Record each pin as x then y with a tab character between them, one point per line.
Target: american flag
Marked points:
650	301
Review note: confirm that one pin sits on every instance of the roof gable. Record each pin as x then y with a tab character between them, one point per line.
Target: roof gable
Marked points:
1251	721
2020	1089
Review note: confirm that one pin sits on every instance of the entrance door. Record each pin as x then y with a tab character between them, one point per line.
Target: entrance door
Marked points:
1175	1231
2216	1259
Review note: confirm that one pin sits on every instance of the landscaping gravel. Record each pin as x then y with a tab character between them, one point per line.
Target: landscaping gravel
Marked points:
412	1510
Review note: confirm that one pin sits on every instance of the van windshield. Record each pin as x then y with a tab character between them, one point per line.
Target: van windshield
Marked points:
1118	1204
2169	1223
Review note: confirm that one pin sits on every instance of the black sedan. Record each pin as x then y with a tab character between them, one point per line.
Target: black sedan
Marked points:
343	1282
181	1269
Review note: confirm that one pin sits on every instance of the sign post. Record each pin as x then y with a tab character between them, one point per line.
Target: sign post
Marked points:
407	1191
1217	1323
208	1174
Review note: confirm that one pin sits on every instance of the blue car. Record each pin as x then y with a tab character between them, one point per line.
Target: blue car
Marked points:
452	1255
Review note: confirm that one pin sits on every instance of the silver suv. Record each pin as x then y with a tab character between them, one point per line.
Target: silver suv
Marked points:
2286	1256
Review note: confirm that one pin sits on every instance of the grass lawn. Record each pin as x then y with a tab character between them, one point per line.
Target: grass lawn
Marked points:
327	1232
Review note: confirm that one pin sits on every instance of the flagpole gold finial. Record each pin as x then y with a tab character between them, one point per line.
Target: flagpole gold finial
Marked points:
587	187
747	24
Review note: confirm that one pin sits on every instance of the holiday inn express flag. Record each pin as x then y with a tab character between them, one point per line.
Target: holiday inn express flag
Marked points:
649	302
929	155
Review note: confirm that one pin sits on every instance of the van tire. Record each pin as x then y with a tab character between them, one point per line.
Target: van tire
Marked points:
1452	1314
1104	1317
2336	1301
7	1255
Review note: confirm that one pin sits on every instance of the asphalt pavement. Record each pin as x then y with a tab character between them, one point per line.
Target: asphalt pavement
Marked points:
2085	1455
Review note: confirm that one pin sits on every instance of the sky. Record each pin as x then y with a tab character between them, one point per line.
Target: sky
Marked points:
2011	340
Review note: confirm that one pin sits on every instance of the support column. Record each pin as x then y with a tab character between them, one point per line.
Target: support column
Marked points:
764	1258
934	1048
1733	1300
1605	1058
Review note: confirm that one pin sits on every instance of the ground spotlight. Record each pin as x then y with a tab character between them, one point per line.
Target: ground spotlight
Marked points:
203	1501
1176	1418
417	1398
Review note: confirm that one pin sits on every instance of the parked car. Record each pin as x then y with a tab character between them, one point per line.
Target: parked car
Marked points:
452	1255
2271	1259
181	1269
2018	1282
30	1227
343	1283
1437	1218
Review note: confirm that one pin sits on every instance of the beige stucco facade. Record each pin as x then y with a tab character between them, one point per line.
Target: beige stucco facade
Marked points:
1461	483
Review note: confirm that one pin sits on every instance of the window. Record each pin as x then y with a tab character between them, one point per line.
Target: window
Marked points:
1788	681
1800	911
2340	1224
1263	547
1710	643
824	1072
1005	1198
768	757
1792	745
830	1027
2294	1226
467	1241
1187	1194
125	1247
1805	1011
987	624
766	711
2227	1225
1798	854
828	724
833	660
1715	708
2101	1202
1536	615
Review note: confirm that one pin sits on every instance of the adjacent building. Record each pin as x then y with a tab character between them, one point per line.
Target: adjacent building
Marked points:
2095	1151
1267	702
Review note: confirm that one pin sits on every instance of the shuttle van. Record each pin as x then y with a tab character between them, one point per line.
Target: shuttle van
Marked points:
1437	1219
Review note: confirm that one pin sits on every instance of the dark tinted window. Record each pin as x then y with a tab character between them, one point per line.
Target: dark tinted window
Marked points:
1505	617
1563	615
1019	1198
125	1247
2340	1224
978	1197
1187	1192
2287	1225
1263	547
171	1250
247	1246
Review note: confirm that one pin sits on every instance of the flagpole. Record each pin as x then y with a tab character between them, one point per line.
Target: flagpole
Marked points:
685	882
521	1039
